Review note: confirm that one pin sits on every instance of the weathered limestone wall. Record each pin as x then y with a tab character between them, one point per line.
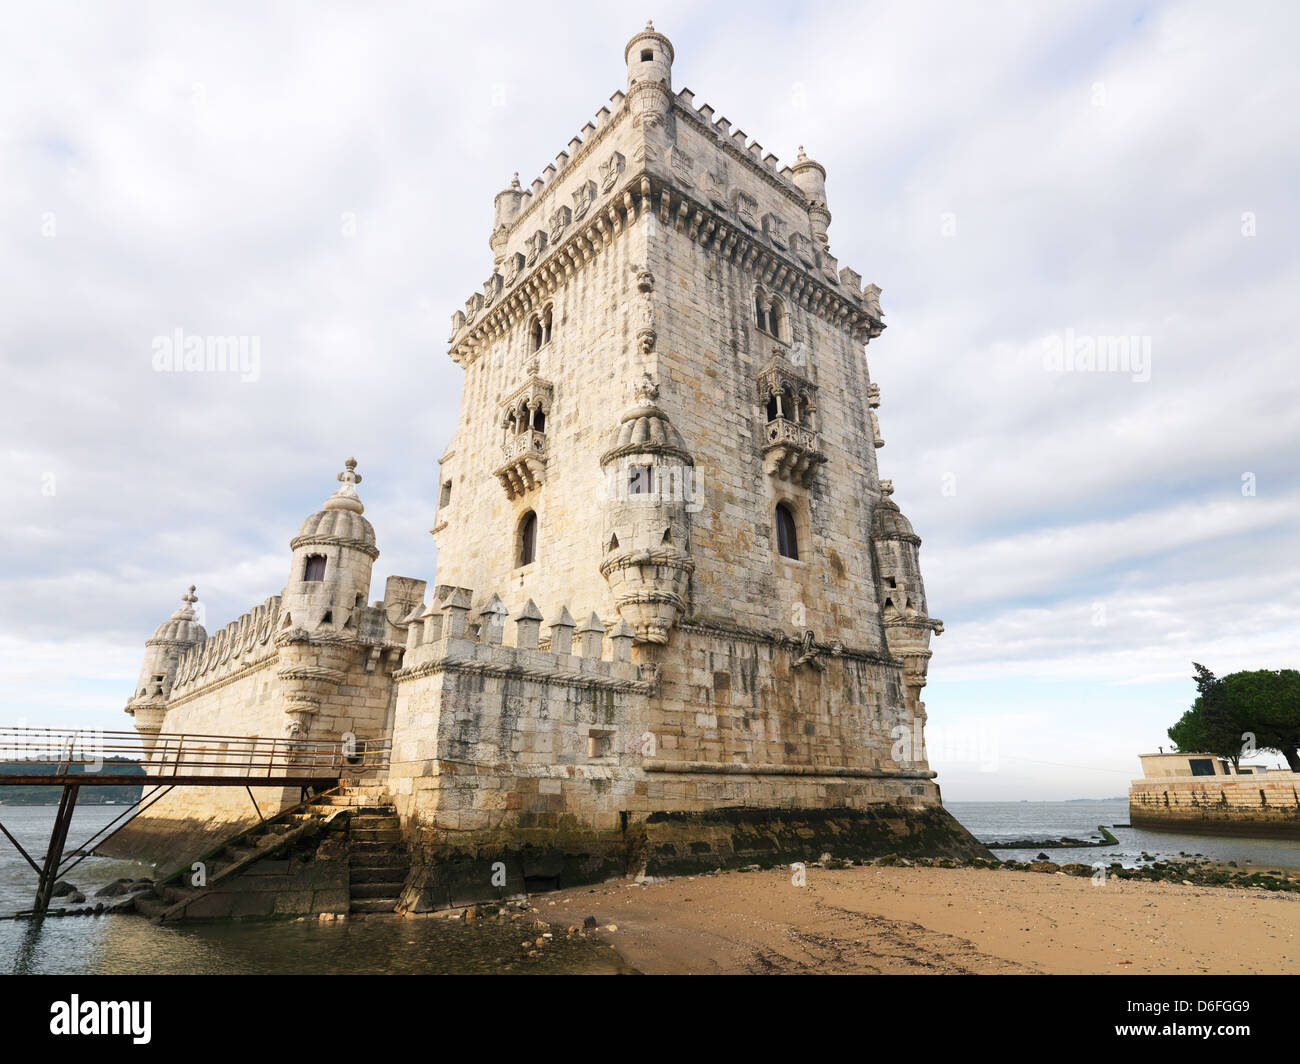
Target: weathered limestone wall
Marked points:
231	686
590	366
1266	805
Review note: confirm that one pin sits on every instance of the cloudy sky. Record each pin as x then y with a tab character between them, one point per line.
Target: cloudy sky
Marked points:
1024	181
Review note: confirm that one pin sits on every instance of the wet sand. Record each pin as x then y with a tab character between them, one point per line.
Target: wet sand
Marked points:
897	920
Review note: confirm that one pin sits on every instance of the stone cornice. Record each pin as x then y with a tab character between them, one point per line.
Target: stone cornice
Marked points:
361	545
704	224
556	678
777	638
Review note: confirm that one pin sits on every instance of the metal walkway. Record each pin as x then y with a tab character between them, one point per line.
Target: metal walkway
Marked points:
72	759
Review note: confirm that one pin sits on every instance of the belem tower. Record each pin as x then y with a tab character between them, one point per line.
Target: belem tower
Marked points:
677	619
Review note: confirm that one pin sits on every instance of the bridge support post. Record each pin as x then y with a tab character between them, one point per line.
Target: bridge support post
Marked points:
54	855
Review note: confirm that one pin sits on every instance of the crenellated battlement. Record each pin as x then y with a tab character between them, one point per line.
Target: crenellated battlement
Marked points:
246	639
447	636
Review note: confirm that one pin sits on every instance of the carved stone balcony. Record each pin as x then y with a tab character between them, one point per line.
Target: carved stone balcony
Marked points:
525	464
791	451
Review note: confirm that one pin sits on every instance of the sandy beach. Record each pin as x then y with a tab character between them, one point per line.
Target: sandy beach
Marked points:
897	920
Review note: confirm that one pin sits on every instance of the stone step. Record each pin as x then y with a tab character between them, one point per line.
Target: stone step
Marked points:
378	854
390	836
380	868
374	905
366	805
365	891
375	822
389	874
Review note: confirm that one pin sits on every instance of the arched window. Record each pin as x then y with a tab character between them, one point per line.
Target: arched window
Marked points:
539	330
787	541
760	311
775	314
528	539
539	419
315	569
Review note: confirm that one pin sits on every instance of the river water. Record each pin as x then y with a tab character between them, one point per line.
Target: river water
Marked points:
130	945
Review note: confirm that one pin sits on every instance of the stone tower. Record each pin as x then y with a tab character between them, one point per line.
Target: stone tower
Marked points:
677	619
667	427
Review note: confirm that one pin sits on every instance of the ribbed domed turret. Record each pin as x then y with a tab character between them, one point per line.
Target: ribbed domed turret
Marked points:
182	627
339	520
645	429
889	522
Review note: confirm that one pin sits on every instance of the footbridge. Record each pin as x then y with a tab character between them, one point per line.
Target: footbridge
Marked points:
72	759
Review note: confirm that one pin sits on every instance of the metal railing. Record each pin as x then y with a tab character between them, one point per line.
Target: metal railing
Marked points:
86	753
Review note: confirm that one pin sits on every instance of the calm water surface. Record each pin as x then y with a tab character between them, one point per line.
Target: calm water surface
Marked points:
993	822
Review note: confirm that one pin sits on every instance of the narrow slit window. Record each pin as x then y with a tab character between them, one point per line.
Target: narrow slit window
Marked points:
315	569
787	541
528	539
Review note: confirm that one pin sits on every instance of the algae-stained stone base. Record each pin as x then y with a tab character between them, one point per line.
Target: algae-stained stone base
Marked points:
731	838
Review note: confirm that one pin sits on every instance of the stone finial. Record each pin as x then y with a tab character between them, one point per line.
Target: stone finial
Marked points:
185	612
514	182
801	156
592	636
492	621
528	622
620	640
562	632
346	496
455	610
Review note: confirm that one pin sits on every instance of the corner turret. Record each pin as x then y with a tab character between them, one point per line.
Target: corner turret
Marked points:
903	611
162	654
649	57
333	552
646	535
810	177
329	583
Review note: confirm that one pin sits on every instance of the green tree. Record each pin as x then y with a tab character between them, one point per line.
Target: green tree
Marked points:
1264	703
1210	726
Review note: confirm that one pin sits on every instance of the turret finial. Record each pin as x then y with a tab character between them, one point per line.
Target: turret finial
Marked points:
189	596
345	498
514	181
649	25
802	156
350	475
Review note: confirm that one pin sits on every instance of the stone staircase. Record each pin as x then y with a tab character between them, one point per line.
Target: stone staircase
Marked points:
378	861
175	893
371	861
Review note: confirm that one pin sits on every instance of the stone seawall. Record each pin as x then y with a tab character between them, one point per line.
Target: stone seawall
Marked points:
1243	805
458	868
